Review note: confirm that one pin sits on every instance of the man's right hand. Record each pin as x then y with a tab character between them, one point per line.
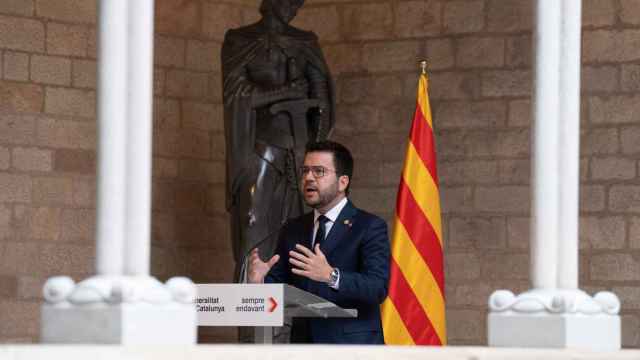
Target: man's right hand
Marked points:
258	269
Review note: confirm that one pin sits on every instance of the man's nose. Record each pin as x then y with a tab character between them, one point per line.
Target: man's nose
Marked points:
308	175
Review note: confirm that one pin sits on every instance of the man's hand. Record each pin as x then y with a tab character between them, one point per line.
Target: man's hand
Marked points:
310	264
258	269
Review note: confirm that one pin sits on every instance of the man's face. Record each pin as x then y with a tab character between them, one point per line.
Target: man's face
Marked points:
322	192
285	10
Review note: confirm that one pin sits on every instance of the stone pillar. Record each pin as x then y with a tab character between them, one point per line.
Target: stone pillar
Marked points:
122	304
546	97
112	105
139	133
555	312
569	145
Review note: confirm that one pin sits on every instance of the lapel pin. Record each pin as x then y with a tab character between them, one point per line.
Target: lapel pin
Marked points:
348	222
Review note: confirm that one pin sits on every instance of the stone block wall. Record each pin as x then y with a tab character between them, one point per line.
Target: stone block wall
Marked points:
479	54
48	144
47	153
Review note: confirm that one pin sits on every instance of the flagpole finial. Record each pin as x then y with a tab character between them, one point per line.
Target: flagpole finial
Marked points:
423	66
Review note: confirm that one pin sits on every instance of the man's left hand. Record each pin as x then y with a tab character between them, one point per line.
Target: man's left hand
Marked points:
310	264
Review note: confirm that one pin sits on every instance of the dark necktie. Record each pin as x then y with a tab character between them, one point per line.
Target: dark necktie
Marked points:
320	234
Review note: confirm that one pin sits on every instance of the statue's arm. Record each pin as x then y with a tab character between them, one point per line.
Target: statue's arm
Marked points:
292	91
237	81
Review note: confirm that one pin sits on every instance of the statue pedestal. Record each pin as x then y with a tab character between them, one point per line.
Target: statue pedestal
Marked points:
119	310
554	319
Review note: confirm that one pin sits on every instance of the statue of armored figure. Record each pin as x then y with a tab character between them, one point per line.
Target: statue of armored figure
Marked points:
278	95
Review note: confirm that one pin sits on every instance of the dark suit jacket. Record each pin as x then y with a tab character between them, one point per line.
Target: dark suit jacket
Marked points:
357	244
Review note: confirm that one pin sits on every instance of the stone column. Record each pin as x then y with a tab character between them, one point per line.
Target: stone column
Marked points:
569	146
122	304
139	133
112	105
545	142
555	313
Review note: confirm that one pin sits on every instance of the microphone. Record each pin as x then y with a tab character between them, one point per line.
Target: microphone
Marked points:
242	276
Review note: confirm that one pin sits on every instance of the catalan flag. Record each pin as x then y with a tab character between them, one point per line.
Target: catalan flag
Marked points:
414	311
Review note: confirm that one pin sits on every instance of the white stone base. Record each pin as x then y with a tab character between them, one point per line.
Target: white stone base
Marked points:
119	310
554	318
123	323
566	331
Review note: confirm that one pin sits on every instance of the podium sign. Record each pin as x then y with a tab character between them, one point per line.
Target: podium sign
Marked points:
240	304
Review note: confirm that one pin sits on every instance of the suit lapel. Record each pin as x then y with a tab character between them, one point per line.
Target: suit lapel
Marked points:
304	239
307	231
340	228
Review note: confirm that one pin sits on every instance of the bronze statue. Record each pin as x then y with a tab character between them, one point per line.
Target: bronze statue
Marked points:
278	95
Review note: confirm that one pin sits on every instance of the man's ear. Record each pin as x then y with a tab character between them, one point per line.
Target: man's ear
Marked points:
343	182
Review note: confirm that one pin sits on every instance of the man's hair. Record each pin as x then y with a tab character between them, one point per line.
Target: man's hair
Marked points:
342	159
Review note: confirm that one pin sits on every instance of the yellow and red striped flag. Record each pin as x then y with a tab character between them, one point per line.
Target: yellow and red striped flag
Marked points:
414	311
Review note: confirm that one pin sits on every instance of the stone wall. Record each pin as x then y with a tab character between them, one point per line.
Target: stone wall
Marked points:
48	142
479	53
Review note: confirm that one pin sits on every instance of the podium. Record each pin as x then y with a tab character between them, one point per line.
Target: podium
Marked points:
300	303
262	306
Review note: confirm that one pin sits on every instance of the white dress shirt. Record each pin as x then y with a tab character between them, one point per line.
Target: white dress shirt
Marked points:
332	215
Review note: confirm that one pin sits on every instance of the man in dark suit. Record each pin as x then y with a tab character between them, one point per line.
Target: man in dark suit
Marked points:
337	251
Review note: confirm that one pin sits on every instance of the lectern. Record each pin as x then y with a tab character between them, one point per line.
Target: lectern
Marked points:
261	305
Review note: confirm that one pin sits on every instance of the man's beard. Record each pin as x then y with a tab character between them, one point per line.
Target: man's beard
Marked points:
325	196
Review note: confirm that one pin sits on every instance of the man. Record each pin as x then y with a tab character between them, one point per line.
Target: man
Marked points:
337	251
278	95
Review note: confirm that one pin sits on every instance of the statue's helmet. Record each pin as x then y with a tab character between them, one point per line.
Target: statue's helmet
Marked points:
267	5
